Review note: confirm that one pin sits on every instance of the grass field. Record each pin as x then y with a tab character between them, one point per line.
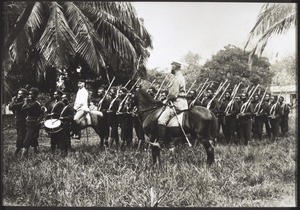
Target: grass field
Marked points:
261	174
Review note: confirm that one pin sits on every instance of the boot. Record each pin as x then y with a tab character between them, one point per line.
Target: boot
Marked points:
161	135
24	153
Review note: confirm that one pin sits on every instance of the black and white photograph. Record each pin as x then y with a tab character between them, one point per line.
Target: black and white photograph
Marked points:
149	104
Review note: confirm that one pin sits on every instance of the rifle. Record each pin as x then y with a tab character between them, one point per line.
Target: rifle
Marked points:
223	92
231	102
200	93
216	93
127	83
106	92
152	82
249	93
159	89
113	101
247	88
191	86
246	105
124	99
257	107
200	85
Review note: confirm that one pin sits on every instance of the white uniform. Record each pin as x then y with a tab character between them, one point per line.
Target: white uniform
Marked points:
177	96
81	103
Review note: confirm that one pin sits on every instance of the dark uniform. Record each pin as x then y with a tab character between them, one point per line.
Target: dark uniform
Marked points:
103	105
228	120
66	117
214	107
274	117
267	120
55	138
260	118
126	122
245	121
285	111
20	118
113	118
254	124
33	113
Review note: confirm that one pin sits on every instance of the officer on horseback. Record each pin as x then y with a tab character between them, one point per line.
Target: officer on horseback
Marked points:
81	107
176	97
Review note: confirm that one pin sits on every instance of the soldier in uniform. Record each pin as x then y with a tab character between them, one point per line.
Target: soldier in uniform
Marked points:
191	96
177	96
267	103
55	113
274	117
245	119
284	116
66	117
214	106
238	130
228	117
113	118
125	119
254	124
151	91
163	95
20	117
33	112
260	118
103	108
81	107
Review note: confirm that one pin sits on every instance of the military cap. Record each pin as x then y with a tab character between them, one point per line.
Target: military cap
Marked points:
34	91
176	64
81	80
24	90
59	92
124	89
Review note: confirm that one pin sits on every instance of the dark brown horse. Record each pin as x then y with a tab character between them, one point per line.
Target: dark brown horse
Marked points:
198	121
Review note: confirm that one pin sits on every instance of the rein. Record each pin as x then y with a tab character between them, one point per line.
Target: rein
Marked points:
150	109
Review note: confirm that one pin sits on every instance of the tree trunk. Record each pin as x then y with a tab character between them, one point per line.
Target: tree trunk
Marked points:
17	28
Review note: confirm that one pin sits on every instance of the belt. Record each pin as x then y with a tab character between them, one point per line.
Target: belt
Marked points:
32	119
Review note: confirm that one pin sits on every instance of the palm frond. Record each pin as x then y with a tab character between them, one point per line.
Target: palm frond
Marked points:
124	11
270	14
89	44
58	41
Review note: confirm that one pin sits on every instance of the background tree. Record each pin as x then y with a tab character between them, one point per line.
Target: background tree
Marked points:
274	18
284	71
232	63
192	69
42	35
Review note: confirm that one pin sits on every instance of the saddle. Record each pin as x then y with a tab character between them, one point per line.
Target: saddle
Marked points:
173	122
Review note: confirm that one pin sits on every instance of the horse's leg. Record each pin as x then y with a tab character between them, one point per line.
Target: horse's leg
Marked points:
210	151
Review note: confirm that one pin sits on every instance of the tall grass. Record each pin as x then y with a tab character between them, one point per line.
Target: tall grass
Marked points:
261	174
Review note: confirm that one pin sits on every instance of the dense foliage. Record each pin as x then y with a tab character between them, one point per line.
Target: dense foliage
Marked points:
106	38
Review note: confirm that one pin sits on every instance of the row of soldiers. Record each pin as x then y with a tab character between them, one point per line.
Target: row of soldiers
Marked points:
239	116
29	115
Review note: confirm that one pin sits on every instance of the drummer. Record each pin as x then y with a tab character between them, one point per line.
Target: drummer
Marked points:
66	117
55	113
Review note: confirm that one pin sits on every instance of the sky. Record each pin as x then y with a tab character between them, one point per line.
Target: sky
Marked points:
203	28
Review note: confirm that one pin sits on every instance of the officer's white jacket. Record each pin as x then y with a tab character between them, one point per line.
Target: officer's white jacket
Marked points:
81	100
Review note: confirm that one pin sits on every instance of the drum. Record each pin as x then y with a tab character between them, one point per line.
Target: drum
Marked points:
52	125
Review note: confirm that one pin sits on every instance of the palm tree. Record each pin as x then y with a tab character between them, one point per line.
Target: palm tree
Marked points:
274	18
53	33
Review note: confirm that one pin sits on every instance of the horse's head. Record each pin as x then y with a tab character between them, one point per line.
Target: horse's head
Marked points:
144	101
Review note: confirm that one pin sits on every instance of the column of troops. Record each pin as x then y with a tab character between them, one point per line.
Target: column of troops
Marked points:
241	116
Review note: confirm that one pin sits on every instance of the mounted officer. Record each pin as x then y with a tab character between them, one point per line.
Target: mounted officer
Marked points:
81	107
177	98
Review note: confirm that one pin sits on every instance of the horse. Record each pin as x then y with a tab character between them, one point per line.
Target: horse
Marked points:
197	121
